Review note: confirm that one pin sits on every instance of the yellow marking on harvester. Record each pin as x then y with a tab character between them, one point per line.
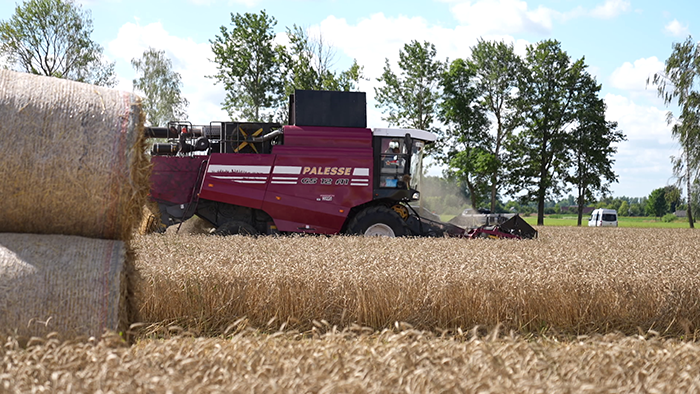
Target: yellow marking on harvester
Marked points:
244	143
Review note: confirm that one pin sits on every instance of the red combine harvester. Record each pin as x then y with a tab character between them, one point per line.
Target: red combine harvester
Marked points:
325	173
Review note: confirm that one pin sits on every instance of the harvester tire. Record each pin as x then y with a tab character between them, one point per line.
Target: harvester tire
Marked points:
236	227
377	221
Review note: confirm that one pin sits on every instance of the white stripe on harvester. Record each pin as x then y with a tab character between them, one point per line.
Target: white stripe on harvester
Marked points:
285	178
287	170
254	182
217	168
264	178
360	172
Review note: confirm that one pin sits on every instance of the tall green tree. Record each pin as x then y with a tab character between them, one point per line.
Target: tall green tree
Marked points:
547	90
624	209
309	62
657	203
410	98
52	38
160	85
496	69
464	143
591	145
249	66
672	195
678	83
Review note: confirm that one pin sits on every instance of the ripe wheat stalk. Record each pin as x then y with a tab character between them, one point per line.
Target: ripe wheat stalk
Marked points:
571	281
354	362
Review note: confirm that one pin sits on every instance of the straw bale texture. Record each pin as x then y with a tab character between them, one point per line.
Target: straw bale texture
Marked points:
58	283
72	158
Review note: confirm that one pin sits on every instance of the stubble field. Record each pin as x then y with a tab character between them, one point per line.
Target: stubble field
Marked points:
577	310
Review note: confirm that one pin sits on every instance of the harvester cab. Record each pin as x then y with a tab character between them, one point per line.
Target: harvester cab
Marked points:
324	173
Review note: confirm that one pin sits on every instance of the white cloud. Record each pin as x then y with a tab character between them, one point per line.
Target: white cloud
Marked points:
640	123
362	42
374	39
633	77
515	16
370	41
504	16
643	161
248	3
610	9
88	3
189	58
676	29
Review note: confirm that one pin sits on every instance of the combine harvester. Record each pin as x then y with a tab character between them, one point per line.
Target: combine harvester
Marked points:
324	173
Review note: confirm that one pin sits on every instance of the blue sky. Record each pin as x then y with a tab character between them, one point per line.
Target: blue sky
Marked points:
622	41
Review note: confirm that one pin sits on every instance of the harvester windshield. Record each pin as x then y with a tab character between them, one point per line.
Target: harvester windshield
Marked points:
416	164
401	156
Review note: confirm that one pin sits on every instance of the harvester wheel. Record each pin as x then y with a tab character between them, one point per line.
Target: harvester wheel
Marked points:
401	210
377	221
236	227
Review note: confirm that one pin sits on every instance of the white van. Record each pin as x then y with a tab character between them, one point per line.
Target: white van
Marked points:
603	218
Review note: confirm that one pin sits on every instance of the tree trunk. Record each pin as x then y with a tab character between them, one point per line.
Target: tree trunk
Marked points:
496	152
493	193
540	208
579	204
690	199
542	192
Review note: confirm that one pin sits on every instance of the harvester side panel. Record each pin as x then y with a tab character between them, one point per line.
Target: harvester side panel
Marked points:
238	179
173	179
322	138
314	191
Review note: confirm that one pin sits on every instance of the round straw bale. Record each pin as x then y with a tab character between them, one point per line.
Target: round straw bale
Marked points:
57	283
72	158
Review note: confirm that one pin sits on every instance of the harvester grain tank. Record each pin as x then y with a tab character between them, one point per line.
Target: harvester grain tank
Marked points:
324	173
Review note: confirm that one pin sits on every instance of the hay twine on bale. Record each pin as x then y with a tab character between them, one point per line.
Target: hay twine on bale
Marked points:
67	284
73	158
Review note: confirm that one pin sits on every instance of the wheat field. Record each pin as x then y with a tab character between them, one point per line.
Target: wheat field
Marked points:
582	310
405	361
574	281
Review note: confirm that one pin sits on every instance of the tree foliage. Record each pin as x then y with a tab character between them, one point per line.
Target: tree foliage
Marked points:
662	201
52	38
249	66
463	145
679	83
656	204
410	99
309	62
161	85
531	126
546	104
496	69
624	209
591	145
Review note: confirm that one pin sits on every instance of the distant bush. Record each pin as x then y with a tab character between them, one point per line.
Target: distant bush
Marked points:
669	217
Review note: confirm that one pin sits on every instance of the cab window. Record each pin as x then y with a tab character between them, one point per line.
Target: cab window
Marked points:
393	161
